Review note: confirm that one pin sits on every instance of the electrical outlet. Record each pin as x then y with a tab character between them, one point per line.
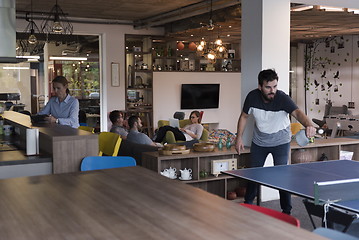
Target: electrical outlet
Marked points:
351	105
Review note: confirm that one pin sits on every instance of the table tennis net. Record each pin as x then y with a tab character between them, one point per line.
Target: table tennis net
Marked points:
335	191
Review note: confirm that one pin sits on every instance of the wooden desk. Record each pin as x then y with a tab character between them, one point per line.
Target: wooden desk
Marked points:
127	203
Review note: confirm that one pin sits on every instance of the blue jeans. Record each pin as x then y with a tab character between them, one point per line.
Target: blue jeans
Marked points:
280	157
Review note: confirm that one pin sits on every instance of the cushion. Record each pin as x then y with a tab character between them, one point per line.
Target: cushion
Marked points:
222	134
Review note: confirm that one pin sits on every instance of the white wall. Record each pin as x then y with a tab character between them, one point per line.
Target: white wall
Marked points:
167	96
346	61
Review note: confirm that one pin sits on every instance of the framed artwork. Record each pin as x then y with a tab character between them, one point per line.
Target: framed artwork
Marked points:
115	74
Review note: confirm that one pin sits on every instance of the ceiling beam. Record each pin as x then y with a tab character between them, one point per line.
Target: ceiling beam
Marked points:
183	13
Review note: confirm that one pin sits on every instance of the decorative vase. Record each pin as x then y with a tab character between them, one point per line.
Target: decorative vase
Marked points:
228	143
220	144
301	156
241	191
231	195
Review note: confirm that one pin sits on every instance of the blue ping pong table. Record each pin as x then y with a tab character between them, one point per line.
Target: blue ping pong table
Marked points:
299	179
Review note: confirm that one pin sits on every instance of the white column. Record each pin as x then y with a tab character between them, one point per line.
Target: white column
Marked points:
265	44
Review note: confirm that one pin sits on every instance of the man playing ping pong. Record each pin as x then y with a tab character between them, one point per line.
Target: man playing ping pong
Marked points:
270	108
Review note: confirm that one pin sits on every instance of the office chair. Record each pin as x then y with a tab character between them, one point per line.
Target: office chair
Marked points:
106	162
273	213
109	143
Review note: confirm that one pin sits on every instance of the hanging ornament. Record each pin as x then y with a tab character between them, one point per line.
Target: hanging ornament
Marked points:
192	46
180	45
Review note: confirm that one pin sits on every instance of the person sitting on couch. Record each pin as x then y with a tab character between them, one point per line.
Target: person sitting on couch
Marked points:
134	135
116	117
190	132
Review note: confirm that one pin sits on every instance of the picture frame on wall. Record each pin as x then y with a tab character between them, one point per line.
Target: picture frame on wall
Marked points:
115	74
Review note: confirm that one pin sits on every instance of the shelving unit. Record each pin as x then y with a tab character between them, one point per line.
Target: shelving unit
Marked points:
139	94
199	161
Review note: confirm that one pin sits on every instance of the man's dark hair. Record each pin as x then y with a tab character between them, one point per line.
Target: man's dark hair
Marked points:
267	75
132	120
114	115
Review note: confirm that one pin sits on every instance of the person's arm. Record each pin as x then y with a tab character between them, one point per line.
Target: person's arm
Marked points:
47	109
242	121
305	121
195	135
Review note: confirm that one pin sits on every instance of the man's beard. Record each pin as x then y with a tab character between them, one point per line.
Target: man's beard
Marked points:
266	97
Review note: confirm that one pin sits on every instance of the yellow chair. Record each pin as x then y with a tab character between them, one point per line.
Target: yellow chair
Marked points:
295	127
109	143
88	129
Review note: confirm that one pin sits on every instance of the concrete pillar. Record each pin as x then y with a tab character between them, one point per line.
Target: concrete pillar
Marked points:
265	44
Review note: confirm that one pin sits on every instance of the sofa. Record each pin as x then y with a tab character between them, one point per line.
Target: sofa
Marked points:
170	138
135	150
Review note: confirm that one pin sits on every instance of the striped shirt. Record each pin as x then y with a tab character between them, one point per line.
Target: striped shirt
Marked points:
272	123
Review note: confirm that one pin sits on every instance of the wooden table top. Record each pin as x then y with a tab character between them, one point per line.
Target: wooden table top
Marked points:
127	203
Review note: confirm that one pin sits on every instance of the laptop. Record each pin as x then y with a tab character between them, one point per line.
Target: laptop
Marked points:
38	118
174	122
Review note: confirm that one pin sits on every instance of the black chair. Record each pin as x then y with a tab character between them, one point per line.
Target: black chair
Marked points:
334	235
342	218
179	115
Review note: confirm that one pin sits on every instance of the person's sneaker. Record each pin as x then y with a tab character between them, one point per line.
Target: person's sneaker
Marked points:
286	212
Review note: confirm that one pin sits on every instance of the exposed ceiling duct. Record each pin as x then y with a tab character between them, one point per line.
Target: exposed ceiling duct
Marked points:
8	32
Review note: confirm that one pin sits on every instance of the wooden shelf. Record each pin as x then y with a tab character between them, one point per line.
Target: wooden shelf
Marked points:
200	161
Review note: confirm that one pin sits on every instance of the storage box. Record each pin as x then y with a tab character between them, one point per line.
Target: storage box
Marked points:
346	155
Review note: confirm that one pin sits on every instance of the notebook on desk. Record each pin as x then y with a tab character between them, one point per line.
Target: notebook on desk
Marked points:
174	122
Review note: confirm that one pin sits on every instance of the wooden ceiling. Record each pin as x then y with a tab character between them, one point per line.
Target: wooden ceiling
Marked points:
182	19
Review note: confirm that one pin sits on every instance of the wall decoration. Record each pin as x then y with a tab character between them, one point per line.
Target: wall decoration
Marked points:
115	74
331	78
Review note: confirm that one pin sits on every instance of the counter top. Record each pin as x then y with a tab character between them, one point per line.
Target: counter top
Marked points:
66	146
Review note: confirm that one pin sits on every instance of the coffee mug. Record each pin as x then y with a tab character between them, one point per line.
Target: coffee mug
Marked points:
7	130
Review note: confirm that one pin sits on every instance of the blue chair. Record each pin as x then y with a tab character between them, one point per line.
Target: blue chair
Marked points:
105	162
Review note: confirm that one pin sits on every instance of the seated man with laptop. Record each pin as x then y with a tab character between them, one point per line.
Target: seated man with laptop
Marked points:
190	132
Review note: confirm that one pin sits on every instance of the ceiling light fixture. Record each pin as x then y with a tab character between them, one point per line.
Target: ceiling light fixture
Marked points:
211	50
31	27
29	57
68	58
57	22
16	68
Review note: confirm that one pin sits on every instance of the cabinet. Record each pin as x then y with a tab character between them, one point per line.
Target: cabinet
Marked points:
199	161
139	76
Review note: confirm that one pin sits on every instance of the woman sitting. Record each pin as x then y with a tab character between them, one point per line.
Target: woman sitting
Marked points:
190	132
62	108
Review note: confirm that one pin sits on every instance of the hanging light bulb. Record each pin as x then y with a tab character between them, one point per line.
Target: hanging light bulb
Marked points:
32	38
221	49
203	43
57	27
200	48
211	55
219	41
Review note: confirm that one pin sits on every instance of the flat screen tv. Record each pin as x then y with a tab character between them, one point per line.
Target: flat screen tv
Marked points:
199	96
